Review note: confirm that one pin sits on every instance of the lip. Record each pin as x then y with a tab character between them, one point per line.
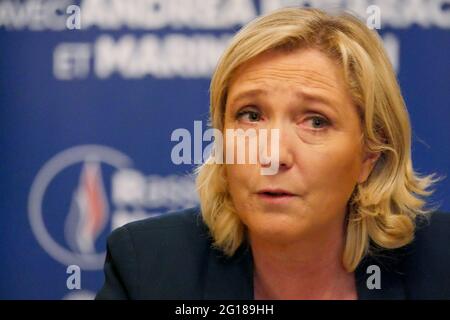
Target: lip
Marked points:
275	196
275	190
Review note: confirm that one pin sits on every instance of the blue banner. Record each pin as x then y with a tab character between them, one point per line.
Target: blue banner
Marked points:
91	92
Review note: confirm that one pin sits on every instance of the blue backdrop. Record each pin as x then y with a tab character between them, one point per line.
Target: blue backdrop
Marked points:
87	116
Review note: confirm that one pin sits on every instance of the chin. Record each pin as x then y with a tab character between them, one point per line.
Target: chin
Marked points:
277	227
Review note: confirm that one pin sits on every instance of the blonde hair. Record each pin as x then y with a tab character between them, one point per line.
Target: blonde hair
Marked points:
383	210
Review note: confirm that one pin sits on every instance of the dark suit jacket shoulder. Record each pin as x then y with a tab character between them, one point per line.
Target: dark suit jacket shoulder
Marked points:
172	257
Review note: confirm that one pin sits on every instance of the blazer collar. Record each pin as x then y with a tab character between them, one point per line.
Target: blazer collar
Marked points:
232	277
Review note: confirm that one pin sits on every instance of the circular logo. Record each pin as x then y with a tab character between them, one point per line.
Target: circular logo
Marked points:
88	212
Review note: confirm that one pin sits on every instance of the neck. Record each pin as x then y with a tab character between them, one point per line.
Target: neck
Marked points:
306	269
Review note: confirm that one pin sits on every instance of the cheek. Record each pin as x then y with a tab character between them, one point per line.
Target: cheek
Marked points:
240	177
336	165
240	180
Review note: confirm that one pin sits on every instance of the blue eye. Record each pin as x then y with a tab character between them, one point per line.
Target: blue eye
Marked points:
319	122
252	116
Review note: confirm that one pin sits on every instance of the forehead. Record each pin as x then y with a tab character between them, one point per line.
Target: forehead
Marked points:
306	70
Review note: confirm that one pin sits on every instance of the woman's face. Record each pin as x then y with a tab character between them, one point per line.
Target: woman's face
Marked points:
303	94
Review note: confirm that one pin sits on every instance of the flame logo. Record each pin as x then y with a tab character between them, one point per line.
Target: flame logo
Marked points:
88	211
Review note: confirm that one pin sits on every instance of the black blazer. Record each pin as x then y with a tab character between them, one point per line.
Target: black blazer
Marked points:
171	257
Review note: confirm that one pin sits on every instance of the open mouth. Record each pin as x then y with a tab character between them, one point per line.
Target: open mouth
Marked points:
276	194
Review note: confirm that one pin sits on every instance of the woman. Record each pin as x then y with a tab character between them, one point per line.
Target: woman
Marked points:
343	217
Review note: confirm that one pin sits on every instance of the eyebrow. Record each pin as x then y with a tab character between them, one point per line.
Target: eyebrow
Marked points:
248	94
308	96
329	102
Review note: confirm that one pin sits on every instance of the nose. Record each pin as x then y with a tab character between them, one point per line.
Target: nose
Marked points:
283	148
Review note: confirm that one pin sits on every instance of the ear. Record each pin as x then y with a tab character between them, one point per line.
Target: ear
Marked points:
369	161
